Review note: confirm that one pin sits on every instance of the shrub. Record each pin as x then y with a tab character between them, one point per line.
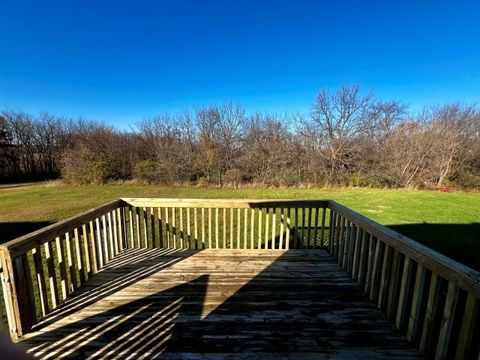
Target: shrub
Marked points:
233	176
144	170
203	181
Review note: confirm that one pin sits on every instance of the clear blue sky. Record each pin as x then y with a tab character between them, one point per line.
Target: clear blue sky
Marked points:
118	61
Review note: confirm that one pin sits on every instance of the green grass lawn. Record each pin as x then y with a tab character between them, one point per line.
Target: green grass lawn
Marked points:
447	222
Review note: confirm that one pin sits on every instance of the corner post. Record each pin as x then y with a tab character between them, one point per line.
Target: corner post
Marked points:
18	294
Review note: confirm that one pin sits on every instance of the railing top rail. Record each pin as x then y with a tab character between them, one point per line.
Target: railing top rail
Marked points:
29	241
226	203
459	274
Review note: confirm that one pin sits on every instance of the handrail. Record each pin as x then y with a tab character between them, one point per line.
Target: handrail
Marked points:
226	203
462	275
61	257
36	238
426	294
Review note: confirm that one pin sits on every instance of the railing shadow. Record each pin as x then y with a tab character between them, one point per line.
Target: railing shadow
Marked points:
297	302
458	241
12	230
129	267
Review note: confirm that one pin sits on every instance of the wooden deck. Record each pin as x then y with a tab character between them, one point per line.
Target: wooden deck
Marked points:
188	304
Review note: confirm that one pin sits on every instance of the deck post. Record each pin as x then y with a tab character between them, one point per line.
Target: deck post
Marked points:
18	294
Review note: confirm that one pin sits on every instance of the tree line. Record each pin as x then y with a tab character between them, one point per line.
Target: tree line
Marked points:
349	138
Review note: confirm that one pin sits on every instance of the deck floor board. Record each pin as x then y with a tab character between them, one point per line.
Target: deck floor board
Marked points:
216	304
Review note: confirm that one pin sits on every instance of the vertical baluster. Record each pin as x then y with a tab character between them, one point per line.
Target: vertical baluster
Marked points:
217	230
433	298
195	225
287	239
296	239
331	230
252	228
274	226
132	235
167	228
309	232
52	274
181	228
88	256
40	277
466	335
316	242
105	239
363	259
267	226
145	227
70	263
245	227
413	330
122	236
394	286
239	227
161	238
79	256
356	253
110	236
115	232
282	219
370	259
341	241
348	245
302	233
224	245
260	229
152	228
447	322
189	230
404	293
231	228
174	228
203	228
99	243
379	248
137	226
209	228
93	248
386	269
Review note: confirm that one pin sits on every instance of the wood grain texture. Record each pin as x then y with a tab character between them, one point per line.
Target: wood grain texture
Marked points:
216	304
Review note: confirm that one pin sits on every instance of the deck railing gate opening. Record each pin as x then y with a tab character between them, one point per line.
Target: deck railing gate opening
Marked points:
432	300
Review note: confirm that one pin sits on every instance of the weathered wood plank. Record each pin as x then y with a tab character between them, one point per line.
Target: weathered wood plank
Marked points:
447	322
469	321
171	305
226	203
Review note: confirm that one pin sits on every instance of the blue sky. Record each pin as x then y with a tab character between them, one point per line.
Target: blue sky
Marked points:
119	61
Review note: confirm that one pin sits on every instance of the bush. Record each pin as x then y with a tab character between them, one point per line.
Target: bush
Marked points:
144	170
203	181
82	167
234	177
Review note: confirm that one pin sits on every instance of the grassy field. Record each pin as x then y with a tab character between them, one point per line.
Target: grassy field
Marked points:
447	222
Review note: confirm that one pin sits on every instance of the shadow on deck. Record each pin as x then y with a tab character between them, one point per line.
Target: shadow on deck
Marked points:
189	304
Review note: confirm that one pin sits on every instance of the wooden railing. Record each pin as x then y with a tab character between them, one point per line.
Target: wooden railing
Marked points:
226	224
433	300
43	268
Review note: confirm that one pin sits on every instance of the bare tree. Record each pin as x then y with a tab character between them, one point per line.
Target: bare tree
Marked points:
338	118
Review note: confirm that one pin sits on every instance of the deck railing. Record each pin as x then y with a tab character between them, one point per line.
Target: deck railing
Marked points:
432	299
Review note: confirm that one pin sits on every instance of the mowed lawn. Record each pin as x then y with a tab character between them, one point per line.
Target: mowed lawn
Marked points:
447	222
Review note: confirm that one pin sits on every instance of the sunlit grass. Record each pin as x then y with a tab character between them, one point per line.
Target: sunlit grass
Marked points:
448	222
